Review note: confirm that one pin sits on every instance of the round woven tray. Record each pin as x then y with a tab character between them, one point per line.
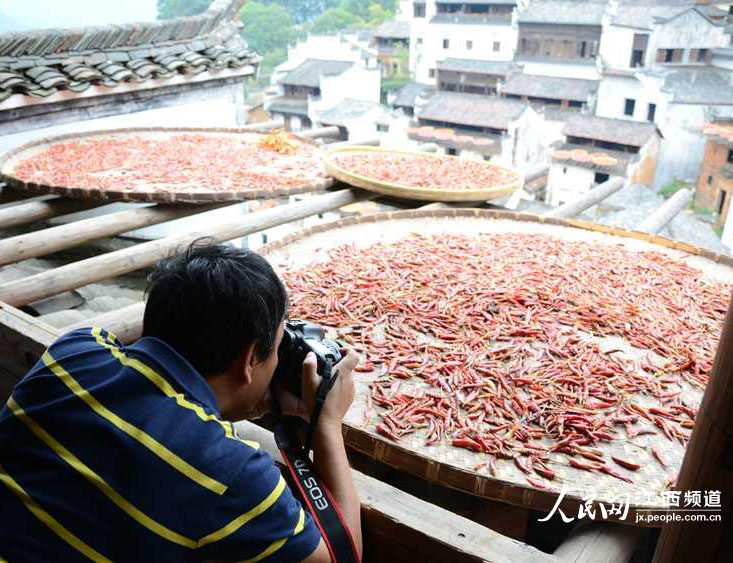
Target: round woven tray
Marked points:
411	192
453	467
9	160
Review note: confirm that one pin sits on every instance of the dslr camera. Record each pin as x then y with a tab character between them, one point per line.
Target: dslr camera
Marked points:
299	338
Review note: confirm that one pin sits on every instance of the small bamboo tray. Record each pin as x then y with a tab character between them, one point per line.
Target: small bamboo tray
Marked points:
412	192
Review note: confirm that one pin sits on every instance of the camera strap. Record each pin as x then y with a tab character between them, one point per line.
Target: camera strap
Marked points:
314	494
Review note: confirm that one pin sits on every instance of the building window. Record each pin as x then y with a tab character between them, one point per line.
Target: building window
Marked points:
582	49
418	10
710	180
575	104
264	238
564	169
431	73
419	40
600	177
629	106
469	45
382	128
497	46
446	43
650	111
668	54
730	156
637	58
721	201
451	152
702	55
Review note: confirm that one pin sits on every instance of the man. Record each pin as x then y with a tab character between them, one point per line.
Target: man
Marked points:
128	453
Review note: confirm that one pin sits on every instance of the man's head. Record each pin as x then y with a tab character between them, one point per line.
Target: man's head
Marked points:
223	310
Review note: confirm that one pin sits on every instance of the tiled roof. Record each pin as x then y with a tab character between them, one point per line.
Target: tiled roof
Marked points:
405	96
393	30
563	153
700	86
538	86
619	131
500	68
347	110
641	16
310	71
287	104
472	109
40	63
564	12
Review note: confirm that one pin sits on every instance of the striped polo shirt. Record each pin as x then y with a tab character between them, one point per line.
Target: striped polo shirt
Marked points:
116	453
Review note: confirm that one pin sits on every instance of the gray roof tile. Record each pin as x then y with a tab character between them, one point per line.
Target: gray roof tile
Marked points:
310	71
619	131
472	109
564	12
538	86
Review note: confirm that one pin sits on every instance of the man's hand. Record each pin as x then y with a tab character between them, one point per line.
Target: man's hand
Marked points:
340	396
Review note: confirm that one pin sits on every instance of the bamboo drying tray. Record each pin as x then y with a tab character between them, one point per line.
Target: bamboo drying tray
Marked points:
453	467
412	192
11	158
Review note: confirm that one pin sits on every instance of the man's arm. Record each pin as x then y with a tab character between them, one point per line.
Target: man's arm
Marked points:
329	452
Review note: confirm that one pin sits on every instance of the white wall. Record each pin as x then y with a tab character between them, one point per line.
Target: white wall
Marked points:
616	45
585	71
688	31
356	82
727	237
426	56
524	144
565	183
613	91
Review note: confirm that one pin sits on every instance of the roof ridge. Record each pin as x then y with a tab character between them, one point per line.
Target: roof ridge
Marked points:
52	41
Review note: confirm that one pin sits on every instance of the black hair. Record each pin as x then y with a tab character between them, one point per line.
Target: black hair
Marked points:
212	301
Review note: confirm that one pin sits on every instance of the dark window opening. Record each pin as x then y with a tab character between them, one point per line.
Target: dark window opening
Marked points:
650	111
730	156
583	45
418	10
629	106
497	46
721	201
446	43
710	180
575	104
668	54
469	45
637	58
264	238
600	177
451	152
431	73
382	128
702	55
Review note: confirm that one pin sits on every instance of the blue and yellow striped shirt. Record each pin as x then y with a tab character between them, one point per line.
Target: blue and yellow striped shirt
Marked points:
111	453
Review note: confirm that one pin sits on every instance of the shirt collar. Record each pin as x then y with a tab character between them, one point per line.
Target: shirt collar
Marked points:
177	367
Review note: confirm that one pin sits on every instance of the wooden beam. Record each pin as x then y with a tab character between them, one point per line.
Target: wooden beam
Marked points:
125	323
668	211
587	200
23	340
319	132
400	527
47	241
42	208
600	542
707	466
68	277
9	195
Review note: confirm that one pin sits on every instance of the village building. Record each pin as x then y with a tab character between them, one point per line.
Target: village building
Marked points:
657	67
481	127
472	76
597	149
457	29
318	73
390	39
560	38
410	96
714	187
356	119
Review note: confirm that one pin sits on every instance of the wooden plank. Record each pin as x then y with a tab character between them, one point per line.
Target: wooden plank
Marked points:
9	195
668	211
600	542
41	208
125	323
707	466
418	529
587	200
41	243
23	340
68	277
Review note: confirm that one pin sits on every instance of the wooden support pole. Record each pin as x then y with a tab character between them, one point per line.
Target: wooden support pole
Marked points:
707	466
320	132
428	147
68	277
600	542
41	243
264	126
399	527
28	212
587	200
668	211
125	323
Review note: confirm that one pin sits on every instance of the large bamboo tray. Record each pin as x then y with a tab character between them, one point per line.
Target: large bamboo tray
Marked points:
9	160
412	192
453	467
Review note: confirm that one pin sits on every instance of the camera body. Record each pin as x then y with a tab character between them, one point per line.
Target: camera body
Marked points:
299	338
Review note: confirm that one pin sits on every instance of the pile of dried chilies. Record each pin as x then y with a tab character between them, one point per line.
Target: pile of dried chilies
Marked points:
502	327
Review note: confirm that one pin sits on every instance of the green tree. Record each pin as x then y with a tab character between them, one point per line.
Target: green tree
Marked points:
174	8
334	19
401	77
358	8
377	15
267	28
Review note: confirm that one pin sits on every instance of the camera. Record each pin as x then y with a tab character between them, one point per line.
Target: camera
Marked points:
299	338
